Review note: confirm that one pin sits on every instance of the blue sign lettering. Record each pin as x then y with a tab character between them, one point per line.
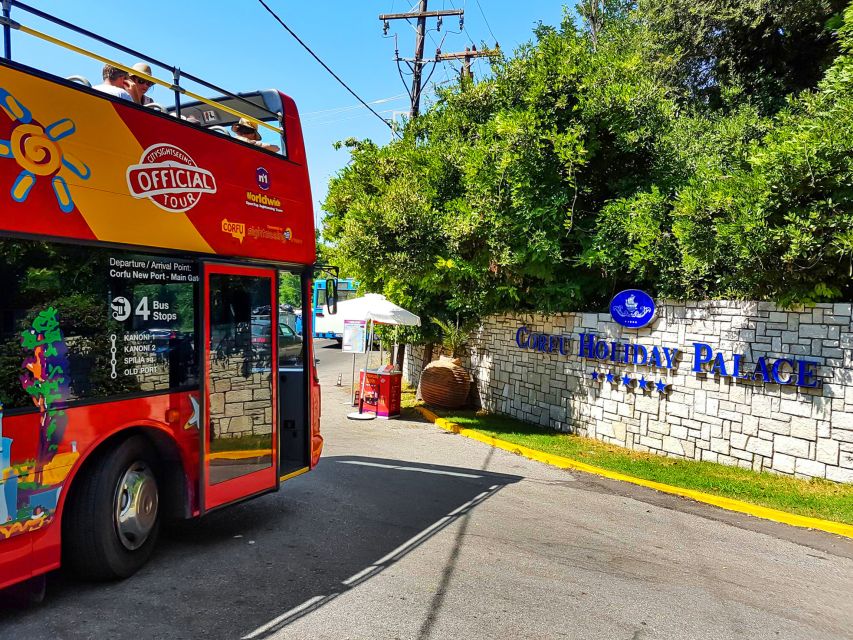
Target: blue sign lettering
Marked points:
736	373
761	370
806	374
702	354
777	367
782	371
586	345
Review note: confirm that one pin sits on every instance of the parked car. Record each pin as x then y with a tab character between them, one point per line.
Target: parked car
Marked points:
289	344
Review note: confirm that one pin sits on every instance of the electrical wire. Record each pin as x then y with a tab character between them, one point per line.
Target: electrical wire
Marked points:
477	61
438	46
486	20
351	107
325	66
331	121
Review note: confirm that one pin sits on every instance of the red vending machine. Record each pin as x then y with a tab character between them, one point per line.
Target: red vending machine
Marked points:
381	392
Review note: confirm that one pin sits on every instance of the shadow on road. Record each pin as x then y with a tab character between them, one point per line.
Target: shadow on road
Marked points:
249	570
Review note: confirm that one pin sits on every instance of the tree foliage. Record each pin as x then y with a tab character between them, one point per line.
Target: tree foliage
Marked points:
608	153
769	48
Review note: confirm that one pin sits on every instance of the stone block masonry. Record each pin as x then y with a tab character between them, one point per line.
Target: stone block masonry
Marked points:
769	389
239	404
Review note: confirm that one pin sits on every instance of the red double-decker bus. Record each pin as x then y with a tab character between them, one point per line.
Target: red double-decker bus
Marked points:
145	372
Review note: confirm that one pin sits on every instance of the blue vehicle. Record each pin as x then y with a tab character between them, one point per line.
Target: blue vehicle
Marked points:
323	325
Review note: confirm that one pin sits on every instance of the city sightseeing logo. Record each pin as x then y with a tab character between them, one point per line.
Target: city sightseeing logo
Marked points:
170	178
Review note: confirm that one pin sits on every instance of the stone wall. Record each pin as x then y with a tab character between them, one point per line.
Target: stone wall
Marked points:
413	363
240	398
709	414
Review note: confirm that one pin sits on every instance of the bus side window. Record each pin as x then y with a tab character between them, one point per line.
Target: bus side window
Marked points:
119	331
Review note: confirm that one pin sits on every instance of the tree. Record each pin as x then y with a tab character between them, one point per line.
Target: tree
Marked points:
485	203
595	13
596	158
757	207
767	48
290	289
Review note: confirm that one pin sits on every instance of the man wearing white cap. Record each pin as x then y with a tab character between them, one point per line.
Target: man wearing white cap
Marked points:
137	87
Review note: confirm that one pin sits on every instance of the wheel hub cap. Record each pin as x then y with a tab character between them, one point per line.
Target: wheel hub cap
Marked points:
136	505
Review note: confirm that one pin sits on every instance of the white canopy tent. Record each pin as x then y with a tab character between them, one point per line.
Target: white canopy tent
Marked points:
373	308
376	307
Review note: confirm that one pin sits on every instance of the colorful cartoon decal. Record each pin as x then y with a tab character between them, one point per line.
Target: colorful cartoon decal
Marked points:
37	152
29	490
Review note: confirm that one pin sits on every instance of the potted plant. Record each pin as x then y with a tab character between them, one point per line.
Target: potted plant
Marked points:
445	382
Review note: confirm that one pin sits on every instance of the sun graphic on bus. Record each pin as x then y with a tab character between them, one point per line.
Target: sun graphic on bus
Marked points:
37	152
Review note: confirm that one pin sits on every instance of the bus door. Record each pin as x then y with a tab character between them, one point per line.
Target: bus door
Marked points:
241	424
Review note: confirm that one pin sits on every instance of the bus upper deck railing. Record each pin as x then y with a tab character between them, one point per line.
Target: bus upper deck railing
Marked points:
177	73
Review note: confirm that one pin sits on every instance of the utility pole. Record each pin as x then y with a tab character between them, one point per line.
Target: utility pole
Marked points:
417	63
419	56
466	56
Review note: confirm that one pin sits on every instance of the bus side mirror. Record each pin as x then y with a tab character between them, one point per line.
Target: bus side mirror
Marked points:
332	296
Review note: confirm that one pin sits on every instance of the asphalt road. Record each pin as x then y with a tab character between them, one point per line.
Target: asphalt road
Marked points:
406	531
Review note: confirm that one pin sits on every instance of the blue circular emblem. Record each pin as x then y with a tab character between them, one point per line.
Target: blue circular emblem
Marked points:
632	308
263	178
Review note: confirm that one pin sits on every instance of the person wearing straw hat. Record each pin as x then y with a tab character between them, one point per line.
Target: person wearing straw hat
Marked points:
114	82
247	131
137	87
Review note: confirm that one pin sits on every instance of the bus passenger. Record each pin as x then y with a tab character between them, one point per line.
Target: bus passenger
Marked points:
137	87
247	131
114	82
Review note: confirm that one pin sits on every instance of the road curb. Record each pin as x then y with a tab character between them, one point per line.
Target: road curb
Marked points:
794	520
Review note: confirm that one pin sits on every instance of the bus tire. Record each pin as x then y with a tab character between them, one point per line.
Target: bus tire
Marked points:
112	520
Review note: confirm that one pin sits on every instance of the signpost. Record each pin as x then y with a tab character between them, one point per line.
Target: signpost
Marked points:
354	341
355	337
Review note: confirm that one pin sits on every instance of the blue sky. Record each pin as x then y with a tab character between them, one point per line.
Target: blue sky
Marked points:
240	47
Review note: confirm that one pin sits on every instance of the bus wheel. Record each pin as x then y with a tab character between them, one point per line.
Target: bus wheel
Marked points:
113	516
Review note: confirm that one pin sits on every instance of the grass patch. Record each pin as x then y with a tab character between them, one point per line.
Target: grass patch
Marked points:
407	397
815	498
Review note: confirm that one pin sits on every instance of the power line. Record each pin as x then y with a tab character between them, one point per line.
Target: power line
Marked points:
361	114
325	66
351	107
486	20
471	39
438	48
